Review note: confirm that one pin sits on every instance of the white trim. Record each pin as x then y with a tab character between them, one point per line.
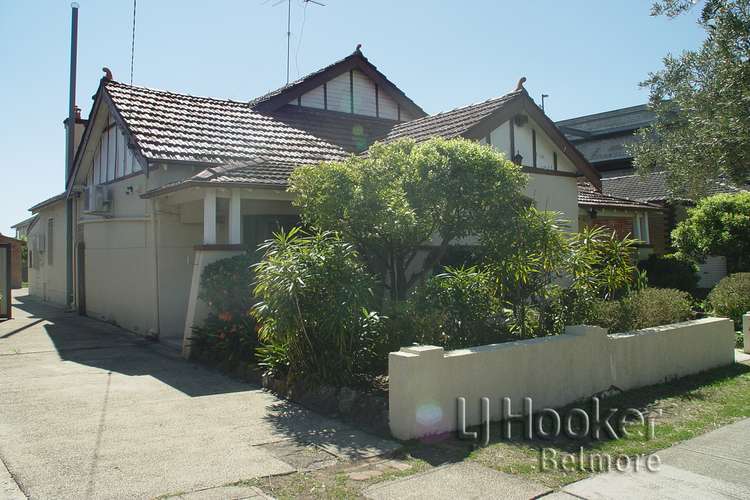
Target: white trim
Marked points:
235	227
209	217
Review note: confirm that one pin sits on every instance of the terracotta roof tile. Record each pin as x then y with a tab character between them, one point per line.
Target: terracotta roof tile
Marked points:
588	195
252	172
353	133
169	126
452	123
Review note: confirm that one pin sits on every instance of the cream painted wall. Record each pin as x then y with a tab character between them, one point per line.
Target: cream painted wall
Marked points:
556	193
47	282
550	192
425	381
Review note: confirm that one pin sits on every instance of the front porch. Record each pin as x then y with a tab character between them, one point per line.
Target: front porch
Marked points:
208	224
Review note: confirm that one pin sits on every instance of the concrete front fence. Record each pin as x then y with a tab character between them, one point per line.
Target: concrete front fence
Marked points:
425	381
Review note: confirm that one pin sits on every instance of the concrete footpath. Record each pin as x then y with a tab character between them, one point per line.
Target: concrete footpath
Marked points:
88	410
714	465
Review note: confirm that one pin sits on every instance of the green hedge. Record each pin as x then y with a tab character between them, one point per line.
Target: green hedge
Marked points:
643	309
731	298
671	271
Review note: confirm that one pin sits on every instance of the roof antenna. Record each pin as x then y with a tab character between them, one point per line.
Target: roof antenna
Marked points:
132	45
289	29
302	31
543	97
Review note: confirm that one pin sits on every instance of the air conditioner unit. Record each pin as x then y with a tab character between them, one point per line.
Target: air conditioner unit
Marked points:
97	200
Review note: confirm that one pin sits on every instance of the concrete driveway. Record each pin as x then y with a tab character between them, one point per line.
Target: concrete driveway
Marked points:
90	411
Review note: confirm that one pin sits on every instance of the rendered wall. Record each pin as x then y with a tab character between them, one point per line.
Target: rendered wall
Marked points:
424	381
555	193
47	281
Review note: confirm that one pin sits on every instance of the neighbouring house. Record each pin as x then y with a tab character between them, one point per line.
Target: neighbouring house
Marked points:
22	233
165	183
603	139
16	248
625	217
47	240
22	228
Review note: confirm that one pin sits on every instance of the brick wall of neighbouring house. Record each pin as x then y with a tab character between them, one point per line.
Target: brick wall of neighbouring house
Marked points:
622	226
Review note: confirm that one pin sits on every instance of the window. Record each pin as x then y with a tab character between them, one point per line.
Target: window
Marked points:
640	228
50	241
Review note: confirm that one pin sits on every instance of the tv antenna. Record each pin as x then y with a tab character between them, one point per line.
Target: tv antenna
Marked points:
289	28
543	97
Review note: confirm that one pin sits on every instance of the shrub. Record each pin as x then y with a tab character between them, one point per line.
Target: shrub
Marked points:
731	298
671	271
226	285
643	309
315	296
458	308
718	225
228	342
228	336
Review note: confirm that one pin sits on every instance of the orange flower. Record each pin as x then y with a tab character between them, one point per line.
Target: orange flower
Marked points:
225	316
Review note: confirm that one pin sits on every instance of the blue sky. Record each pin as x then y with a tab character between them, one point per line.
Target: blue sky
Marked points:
589	55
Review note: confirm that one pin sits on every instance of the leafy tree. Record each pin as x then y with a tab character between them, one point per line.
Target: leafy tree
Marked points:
702	103
405	198
718	225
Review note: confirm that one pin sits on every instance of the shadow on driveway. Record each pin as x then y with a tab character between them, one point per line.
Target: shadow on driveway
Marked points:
97	344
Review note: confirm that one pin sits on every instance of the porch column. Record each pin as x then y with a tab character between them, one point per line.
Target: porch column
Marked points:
234	218
209	217
647	237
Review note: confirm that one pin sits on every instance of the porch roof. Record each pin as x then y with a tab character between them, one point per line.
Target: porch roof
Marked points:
257	172
589	196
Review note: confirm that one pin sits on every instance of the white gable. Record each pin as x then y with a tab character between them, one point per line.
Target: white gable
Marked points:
529	138
112	158
353	92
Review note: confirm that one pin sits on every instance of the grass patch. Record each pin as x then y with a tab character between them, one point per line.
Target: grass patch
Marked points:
681	409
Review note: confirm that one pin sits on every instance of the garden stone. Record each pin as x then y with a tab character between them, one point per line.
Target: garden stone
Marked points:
746	332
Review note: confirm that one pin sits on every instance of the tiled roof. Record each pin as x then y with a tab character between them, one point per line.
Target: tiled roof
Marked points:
588	195
253	172
353	133
450	123
170	126
652	187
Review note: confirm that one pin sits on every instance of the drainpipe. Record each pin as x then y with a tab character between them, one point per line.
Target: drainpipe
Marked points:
69	154
155	241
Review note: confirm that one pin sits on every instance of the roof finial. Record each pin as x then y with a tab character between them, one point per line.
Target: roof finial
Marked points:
520	84
107	74
359	48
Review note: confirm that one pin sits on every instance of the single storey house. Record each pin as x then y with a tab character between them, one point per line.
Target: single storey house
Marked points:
165	183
